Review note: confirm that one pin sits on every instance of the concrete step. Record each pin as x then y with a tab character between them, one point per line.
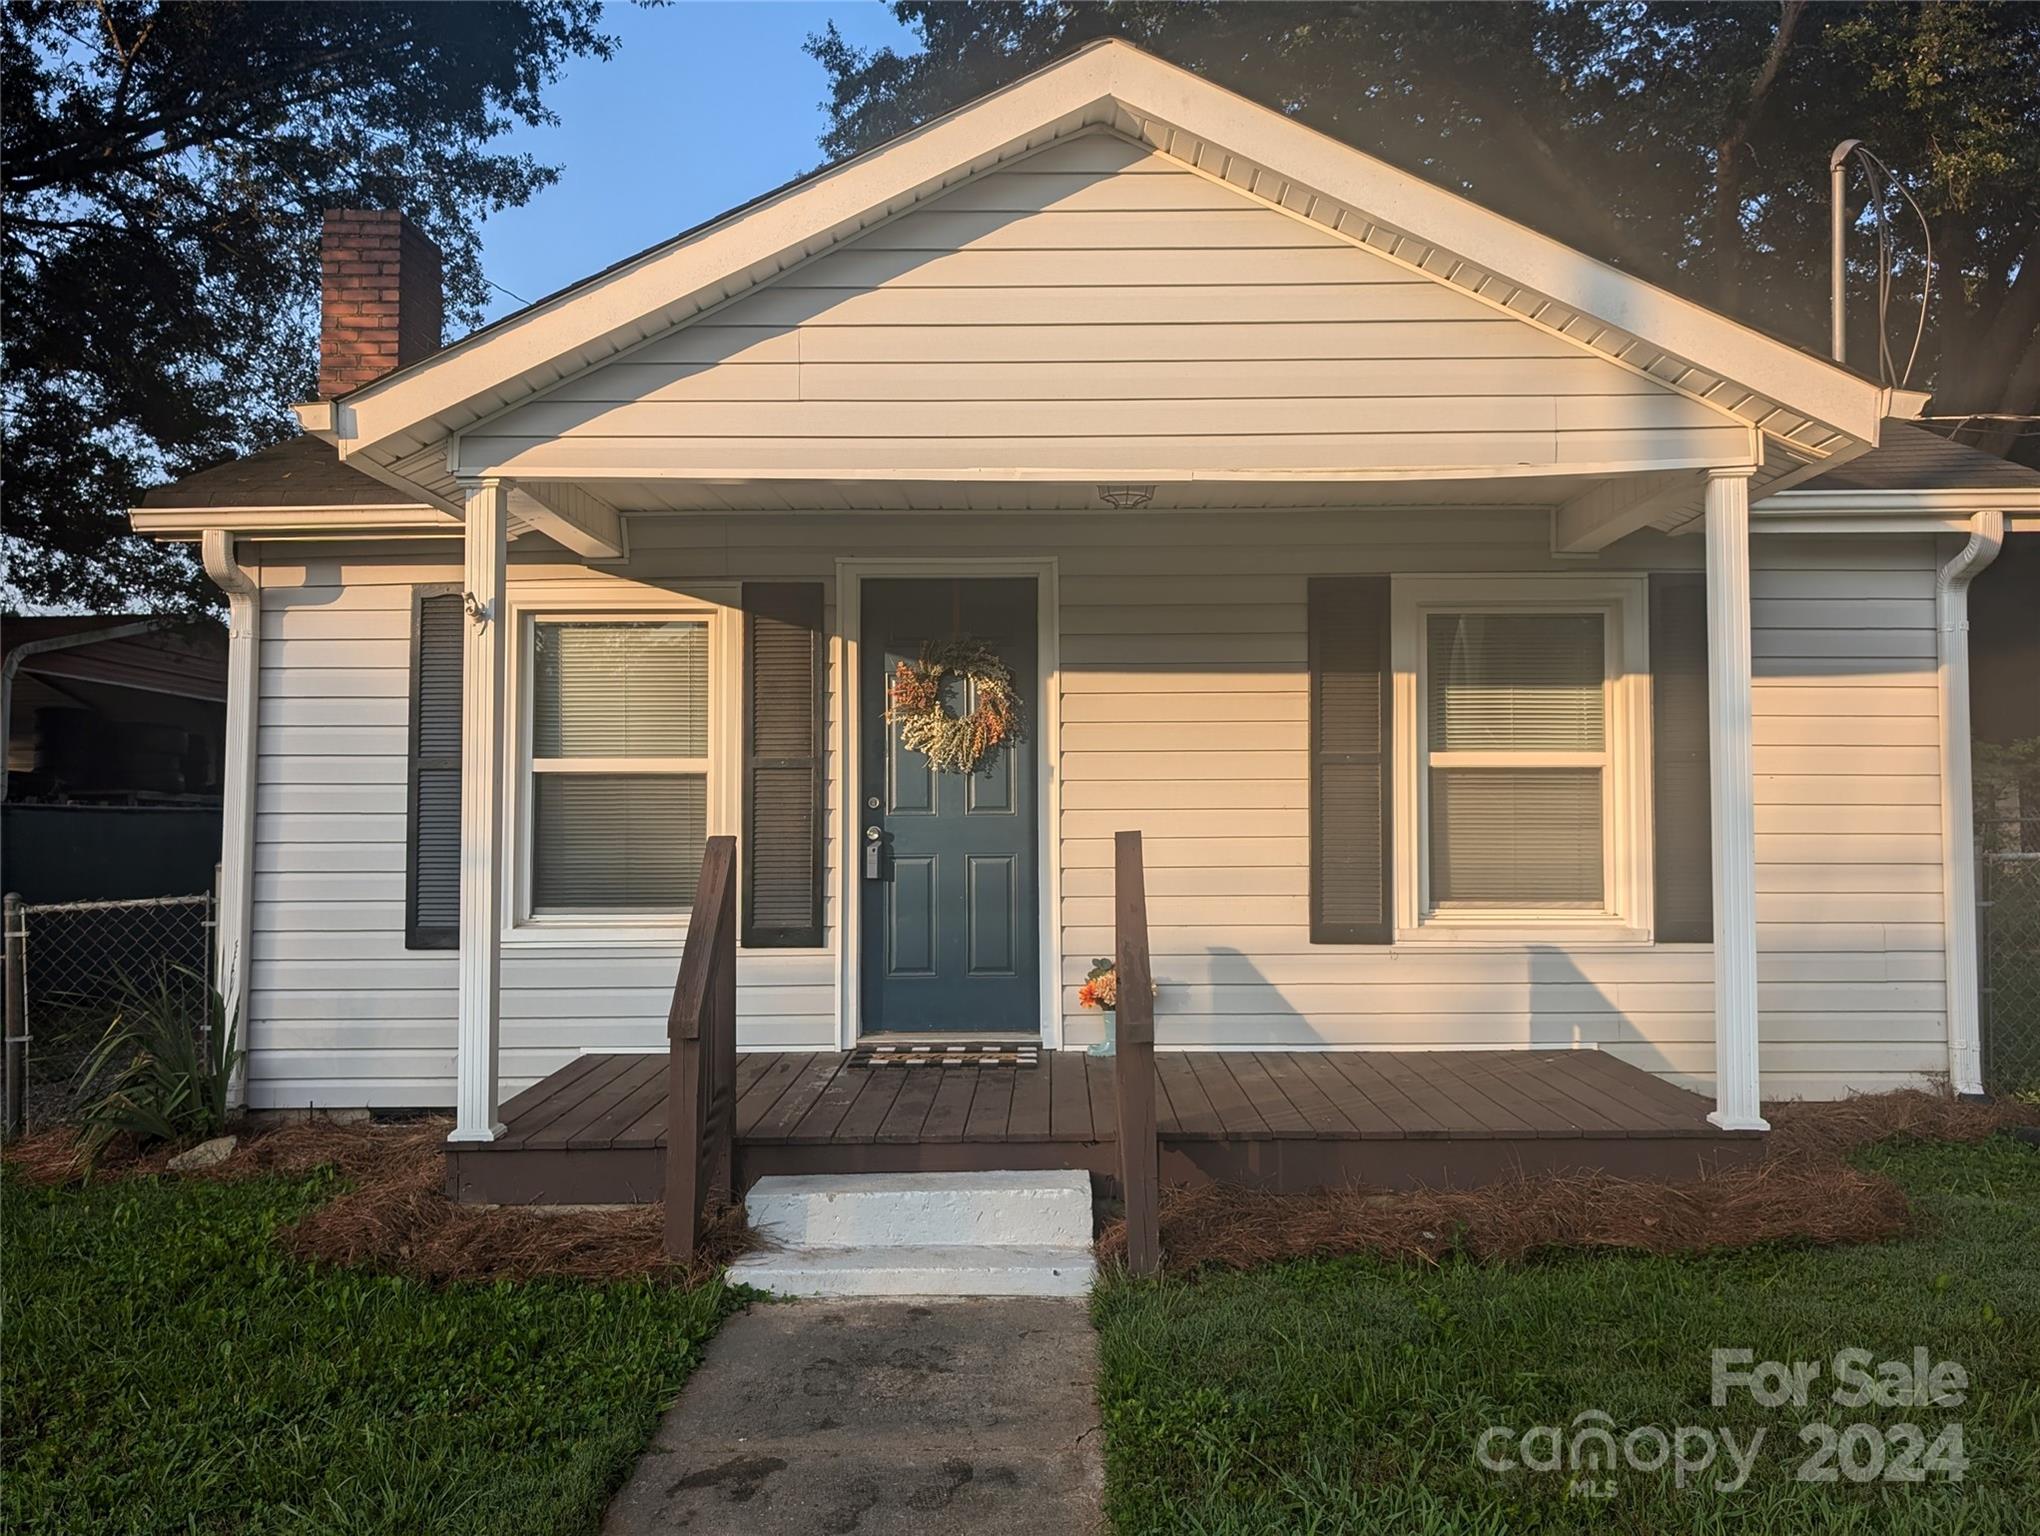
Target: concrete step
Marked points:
924	1210
898	1269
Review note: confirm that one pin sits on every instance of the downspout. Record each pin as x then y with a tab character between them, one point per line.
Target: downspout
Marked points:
237	787
1958	849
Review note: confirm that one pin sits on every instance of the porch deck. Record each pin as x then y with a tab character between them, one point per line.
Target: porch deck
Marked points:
592	1132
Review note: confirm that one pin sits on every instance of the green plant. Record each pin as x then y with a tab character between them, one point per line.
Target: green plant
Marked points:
171	1070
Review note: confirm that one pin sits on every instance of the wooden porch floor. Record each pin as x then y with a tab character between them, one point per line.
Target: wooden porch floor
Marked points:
592	1132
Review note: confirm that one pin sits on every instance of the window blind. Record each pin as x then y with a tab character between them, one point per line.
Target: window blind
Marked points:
1504	832
617	842
1518	682
432	884
1516	837
1351	817
620	690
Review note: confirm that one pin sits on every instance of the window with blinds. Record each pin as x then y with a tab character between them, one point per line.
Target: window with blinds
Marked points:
1516	760
619	764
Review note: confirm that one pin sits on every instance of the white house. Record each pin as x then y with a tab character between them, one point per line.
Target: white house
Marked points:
1495	650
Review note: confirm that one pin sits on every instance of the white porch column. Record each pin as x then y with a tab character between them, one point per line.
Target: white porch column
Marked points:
1958	811
482	727
237	787
1737	1102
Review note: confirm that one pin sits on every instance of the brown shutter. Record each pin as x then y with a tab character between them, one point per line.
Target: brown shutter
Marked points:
432	861
1351	818
783	765
1679	772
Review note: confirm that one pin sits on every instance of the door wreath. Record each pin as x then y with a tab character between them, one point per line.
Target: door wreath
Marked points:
914	703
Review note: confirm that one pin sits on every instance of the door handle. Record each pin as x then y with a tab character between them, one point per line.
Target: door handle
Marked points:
874	854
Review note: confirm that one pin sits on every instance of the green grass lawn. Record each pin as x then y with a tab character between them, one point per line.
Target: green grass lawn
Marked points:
1346	1395
166	1367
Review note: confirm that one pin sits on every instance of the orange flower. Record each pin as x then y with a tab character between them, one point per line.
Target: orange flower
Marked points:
913	692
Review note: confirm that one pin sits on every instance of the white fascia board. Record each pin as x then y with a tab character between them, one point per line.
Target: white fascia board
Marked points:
623	306
1961	501
317	418
1914	511
1160	474
175	523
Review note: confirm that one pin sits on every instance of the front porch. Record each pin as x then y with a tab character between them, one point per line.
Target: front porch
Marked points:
594	1132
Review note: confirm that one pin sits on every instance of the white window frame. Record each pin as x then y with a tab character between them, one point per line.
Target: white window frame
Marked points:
1626	914
570	604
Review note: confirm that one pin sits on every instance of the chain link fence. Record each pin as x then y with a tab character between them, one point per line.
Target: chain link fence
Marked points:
73	963
2008	927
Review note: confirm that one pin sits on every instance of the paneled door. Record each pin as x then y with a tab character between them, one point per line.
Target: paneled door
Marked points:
946	861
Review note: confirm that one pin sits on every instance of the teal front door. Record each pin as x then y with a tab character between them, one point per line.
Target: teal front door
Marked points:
946	861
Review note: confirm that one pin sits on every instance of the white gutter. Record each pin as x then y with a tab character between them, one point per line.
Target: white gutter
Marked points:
1958	850
237	781
271	522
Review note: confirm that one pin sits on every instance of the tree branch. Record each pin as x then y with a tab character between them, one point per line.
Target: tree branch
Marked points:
127	57
1728	232
112	154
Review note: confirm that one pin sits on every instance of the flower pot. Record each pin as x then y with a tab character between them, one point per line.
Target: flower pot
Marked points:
1104	1047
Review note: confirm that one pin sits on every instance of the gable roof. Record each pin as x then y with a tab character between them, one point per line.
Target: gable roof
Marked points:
1809	410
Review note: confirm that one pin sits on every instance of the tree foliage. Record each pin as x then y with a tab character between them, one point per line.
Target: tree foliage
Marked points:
1685	142
166	165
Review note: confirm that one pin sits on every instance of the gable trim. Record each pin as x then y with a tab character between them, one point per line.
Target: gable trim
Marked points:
400	423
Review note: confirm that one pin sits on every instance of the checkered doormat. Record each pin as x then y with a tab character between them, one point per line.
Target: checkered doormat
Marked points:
989	1054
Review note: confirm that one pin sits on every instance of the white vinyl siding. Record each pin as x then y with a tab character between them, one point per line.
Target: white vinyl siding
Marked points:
1100	310
1183	714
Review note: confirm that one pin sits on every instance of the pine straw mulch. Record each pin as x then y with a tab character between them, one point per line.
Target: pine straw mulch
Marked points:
1804	1190
394	1216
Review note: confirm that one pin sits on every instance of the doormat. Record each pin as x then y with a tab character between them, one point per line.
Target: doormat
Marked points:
988	1054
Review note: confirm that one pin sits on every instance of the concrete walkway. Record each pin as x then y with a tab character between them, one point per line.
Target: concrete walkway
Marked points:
877	1417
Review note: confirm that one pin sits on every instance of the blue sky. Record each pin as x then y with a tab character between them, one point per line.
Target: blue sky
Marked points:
705	104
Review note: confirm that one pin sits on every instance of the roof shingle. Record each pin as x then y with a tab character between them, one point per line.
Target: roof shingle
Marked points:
1909	458
298	472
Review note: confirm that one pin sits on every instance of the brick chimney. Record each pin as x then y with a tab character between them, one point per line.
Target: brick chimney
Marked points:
380	303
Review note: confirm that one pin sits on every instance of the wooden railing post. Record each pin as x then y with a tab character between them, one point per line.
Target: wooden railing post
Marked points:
722	1048
1134	1074
702	1019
